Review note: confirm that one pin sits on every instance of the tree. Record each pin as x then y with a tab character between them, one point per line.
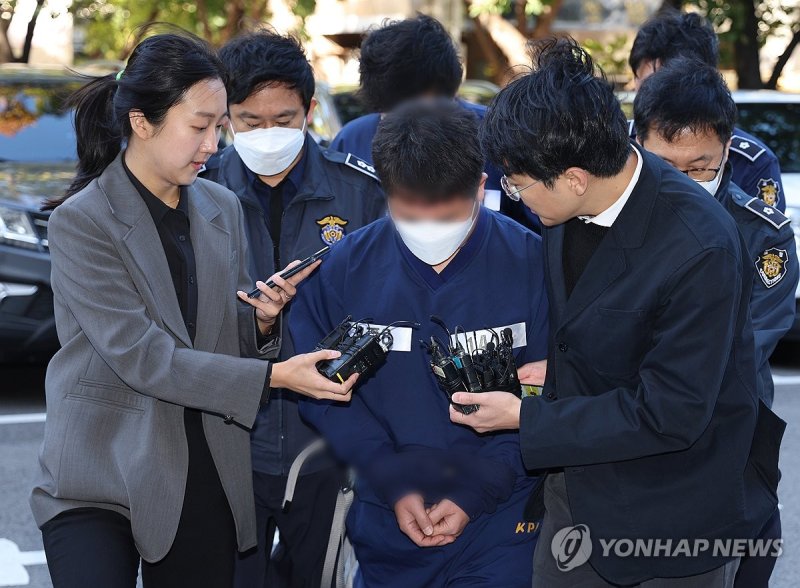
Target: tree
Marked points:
744	26
7	11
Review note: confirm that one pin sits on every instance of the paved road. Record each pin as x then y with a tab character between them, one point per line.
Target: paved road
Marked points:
22	401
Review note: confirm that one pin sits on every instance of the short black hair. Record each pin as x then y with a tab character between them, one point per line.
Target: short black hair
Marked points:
684	94
430	149
260	58
562	114
405	59
674	34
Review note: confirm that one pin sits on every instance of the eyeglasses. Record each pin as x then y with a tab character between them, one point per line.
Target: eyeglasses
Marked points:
703	174
513	191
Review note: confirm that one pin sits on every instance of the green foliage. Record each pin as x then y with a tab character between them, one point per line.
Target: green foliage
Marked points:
610	55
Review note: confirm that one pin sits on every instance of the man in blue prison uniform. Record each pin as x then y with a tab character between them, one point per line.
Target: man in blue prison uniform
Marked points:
684	113
436	504
755	168
408	59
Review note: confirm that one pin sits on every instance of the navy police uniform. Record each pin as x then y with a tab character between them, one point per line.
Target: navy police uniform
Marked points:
770	242
756	169
325	196
356	137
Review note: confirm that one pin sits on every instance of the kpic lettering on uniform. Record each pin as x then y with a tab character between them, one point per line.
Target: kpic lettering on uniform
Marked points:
526	527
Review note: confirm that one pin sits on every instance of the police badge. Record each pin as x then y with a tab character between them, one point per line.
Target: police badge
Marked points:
771	266
332	229
769	191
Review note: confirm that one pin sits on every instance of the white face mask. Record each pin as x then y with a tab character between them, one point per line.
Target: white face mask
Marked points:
712	186
434	241
268	152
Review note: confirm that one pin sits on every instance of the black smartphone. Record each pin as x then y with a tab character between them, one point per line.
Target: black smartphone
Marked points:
294	270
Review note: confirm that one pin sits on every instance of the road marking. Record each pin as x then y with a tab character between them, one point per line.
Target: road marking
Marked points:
13	562
785	380
17	419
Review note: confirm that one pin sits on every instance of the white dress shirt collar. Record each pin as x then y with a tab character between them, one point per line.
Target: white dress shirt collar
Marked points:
610	214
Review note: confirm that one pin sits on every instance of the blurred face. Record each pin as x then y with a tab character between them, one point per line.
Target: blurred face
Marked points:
275	105
554	205
646	69
697	155
177	149
413	208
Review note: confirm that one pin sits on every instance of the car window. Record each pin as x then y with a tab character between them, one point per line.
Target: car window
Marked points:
777	125
33	127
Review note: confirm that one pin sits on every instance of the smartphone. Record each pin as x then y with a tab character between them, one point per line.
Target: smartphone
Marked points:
294	270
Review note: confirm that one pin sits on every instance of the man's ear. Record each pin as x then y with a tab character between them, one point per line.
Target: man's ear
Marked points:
481	188
310	113
577	179
140	125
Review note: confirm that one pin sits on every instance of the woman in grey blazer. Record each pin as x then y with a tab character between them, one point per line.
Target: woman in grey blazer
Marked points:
146	453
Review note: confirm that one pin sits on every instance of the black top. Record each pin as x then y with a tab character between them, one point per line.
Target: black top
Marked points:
173	230
581	240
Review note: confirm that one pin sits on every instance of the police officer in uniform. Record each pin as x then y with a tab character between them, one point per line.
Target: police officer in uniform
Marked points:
296	198
756	169
684	113
408	59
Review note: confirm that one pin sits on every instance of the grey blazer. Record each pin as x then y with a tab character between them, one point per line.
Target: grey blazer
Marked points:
114	436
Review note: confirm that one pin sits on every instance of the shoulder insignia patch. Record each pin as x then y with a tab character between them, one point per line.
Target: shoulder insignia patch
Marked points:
772	215
360	165
771	266
331	229
746	147
769	191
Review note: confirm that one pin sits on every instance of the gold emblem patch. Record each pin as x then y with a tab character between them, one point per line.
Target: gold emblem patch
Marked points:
769	191
771	266
331	229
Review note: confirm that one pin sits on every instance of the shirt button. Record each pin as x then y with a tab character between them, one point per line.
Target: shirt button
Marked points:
551	396
191	279
190	325
182	238
563	346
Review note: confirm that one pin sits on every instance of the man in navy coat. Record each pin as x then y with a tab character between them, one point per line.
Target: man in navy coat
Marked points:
658	451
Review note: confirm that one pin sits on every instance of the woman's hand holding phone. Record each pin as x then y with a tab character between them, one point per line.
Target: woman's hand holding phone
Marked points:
272	300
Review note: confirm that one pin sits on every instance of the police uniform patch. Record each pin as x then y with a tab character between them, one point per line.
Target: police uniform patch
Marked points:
331	229
772	215
746	147
360	165
769	191
771	266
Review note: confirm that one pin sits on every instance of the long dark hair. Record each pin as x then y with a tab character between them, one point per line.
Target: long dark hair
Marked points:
158	74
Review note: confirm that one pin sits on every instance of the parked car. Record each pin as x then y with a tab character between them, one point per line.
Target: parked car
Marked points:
37	161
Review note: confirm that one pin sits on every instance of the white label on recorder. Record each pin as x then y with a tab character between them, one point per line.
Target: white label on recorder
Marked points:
472	340
401	336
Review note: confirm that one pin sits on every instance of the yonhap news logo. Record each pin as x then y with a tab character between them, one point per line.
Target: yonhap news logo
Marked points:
572	547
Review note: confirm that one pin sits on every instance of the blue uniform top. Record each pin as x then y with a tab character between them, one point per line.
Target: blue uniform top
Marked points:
396	431
356	137
756	169
770	242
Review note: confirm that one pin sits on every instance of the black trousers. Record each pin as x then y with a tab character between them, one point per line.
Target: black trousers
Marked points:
94	547
304	530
